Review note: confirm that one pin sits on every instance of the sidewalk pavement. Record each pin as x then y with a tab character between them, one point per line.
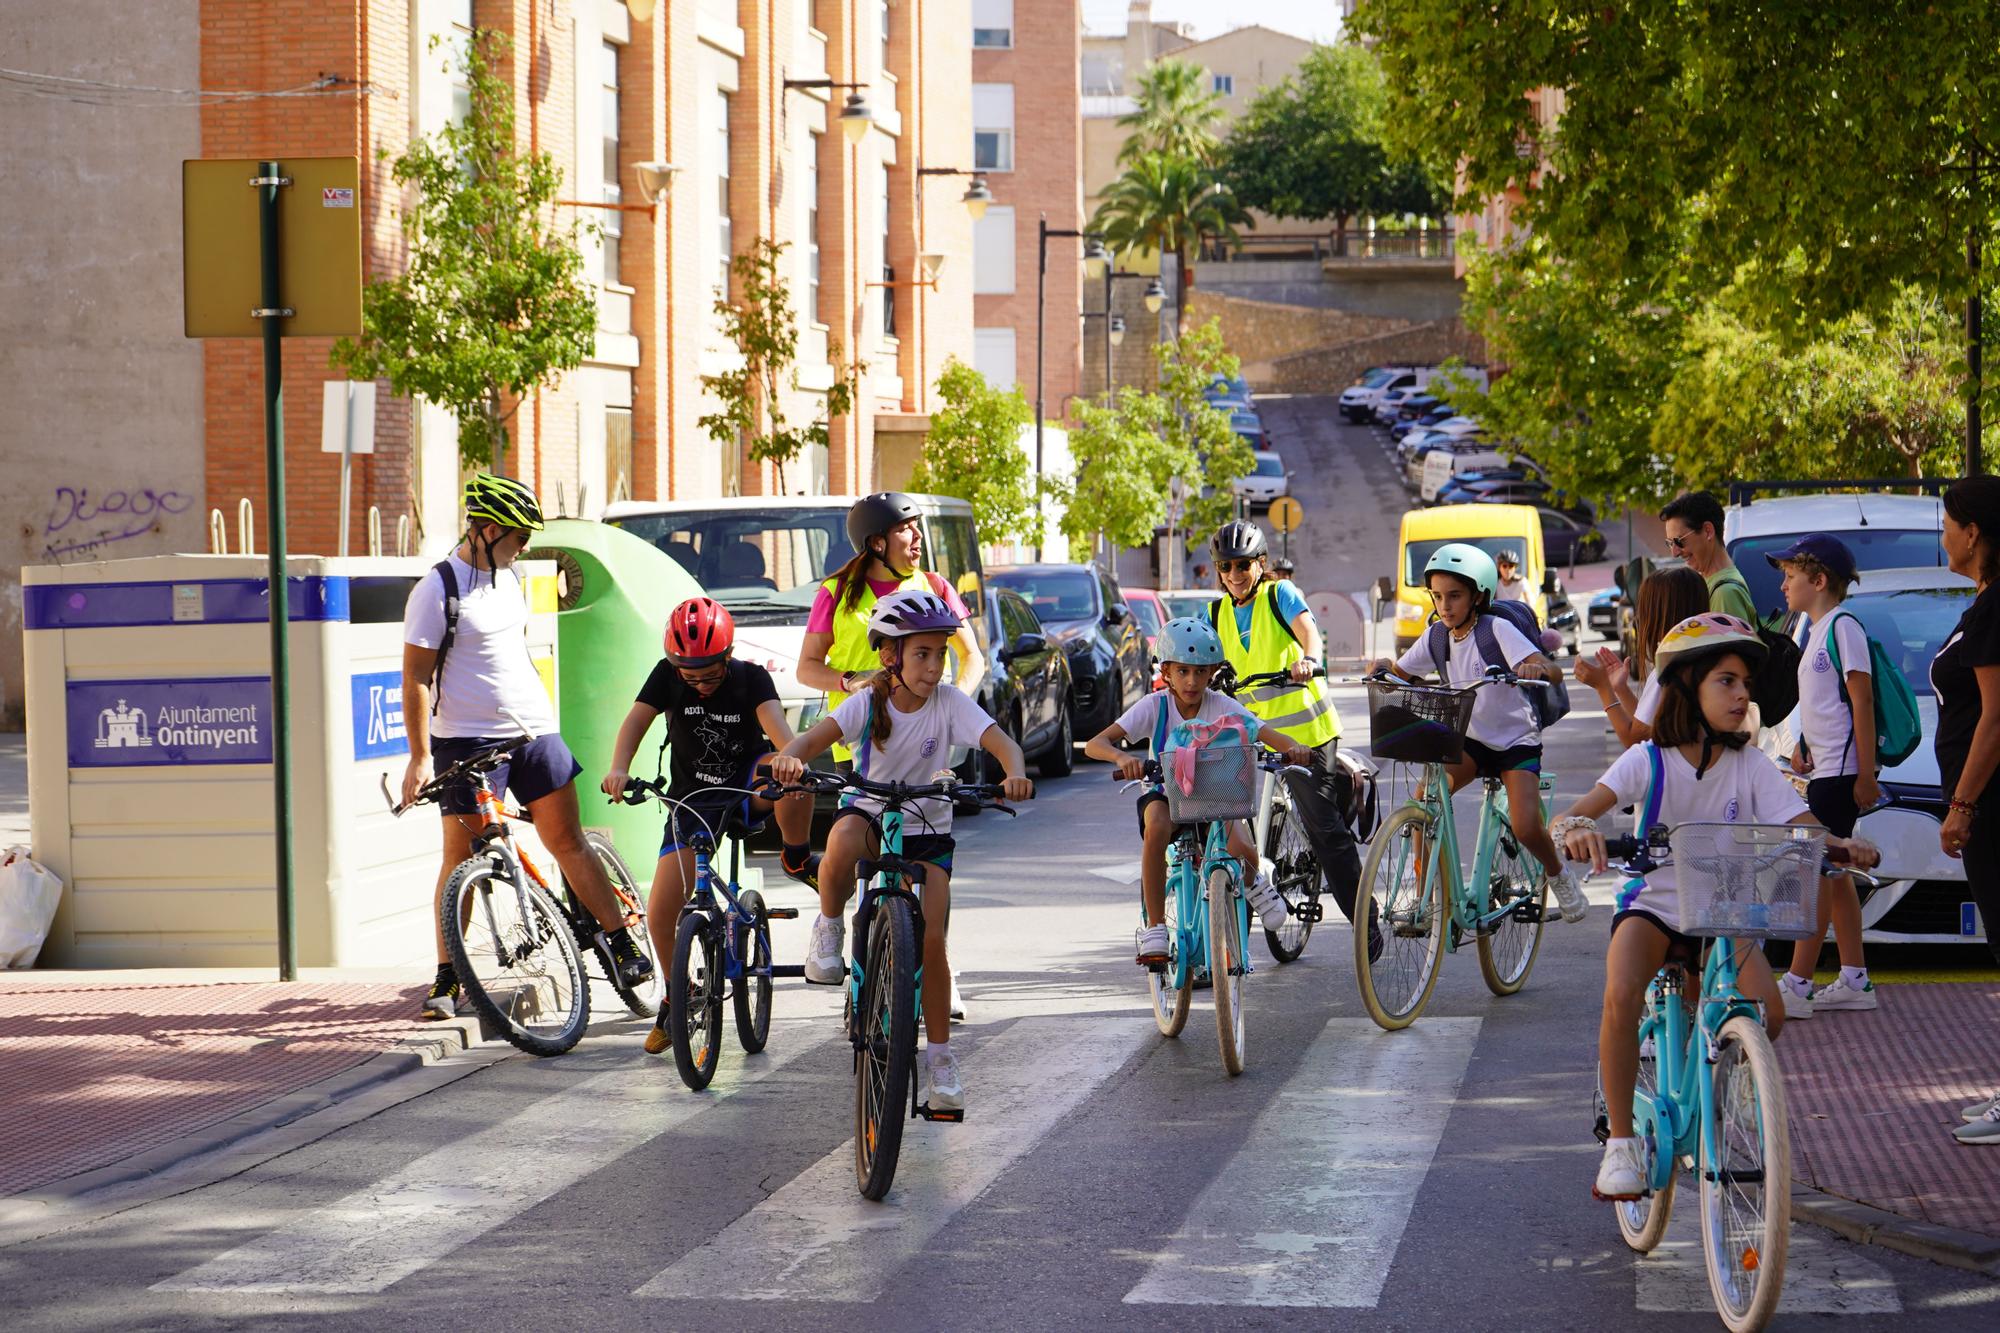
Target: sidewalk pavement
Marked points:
96	1067
1874	1097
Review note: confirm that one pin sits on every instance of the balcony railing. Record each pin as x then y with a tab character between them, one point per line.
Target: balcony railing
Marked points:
1354	243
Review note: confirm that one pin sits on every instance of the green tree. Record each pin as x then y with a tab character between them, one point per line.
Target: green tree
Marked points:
1212	456
492	303
1313	146
761	326
1174	114
974	452
1118	492
1167	204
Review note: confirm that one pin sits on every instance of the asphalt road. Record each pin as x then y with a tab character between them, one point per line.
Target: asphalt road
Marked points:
1105	1176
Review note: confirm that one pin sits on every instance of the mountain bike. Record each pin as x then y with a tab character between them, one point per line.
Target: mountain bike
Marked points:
722	944
885	976
518	948
1412	877
1710	1097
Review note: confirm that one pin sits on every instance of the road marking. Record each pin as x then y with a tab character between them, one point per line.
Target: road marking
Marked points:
817	1239
381	1234
1822	1276
1120	872
1311	1210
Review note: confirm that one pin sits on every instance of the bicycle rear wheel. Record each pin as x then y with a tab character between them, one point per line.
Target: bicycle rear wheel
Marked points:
643	1000
1394	886
1507	950
515	957
694	999
752	995
1746	1204
1296	877
1226	963
887	1057
1172	988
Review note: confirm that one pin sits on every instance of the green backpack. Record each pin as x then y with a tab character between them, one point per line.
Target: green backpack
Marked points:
1898	728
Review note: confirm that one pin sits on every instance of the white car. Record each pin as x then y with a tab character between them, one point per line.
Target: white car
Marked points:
1266	482
1883	531
1357	401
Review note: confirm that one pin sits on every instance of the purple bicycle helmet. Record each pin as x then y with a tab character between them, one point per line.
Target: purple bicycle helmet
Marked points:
911	611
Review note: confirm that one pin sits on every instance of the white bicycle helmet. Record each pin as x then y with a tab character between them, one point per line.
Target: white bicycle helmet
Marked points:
912	611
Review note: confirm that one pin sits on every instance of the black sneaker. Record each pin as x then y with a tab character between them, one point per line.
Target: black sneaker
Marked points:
445	995
1374	933
807	874
630	962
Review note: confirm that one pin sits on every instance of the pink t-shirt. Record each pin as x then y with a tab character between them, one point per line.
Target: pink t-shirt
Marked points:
821	619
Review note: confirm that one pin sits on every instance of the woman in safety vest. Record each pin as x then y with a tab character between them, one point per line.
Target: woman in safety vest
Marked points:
1266	626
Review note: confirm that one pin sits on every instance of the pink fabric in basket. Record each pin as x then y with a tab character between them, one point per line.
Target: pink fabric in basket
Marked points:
1193	737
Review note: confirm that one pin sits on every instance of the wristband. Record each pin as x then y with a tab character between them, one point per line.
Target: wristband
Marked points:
1966	807
846	685
1613	703
1569	824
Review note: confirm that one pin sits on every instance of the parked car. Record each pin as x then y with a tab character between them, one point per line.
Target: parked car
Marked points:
1570	539
1029	690
1451	428
1152	613
1419	425
1390	403
1083	611
1458	489
1265	483
1357	401
1190	602
1883	531
1246	423
1227	391
1416	405
1442	465
1602	612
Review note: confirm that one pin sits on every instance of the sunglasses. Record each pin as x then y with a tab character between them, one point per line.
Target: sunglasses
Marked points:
1676	543
1235	566
705	676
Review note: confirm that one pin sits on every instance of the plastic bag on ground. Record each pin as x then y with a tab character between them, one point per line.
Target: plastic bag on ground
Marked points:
29	892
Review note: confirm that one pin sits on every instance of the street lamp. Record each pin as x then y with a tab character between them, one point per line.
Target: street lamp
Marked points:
656	182
976	197
1156	296
1114	324
855	116
1096	259
1095	256
1117	337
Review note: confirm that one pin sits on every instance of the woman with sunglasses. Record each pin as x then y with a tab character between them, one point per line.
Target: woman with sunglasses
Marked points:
724	722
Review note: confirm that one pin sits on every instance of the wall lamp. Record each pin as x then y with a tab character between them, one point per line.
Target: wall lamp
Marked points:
855	117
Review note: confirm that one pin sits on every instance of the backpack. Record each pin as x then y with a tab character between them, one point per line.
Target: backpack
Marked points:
1775	688
1899	729
1550	703
450	581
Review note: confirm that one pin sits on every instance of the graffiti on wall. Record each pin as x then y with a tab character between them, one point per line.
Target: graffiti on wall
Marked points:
82	523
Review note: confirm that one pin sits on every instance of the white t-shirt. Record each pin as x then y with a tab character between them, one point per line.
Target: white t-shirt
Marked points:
1825	722
1142	720
919	745
1502	717
487	672
1741	787
1512	590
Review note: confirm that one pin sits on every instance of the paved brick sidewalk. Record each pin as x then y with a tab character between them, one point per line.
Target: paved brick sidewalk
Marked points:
94	1071
1874	1098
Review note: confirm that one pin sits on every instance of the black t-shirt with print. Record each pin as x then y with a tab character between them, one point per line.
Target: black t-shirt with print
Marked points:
713	739
1975	643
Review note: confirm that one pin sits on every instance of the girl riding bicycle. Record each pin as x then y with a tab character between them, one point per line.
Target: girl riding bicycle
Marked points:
1698	768
1190	654
902	728
723	723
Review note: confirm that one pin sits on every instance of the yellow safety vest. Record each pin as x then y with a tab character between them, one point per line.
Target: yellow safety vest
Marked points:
1303	712
850	650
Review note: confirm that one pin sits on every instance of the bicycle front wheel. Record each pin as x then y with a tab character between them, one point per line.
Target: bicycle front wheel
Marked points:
1508	947
694	999
1172	988
643	1000
752	995
1746	1201
1227	962
1295	875
1397	893
887	1056
515	957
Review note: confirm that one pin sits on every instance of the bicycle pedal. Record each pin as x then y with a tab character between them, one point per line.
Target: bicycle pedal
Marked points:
945	1117
781	914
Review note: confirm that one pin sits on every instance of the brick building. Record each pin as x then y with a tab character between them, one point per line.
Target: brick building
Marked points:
112	410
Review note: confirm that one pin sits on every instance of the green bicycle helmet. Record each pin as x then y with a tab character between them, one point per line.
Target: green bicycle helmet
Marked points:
501	500
1186	639
1468	562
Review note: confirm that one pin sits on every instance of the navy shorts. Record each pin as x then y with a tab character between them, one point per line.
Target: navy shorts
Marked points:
1680	948
715	808
1831	801
930	848
1491	763
542	766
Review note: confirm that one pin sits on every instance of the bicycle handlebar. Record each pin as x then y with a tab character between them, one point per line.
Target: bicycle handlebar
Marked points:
899	794
1262	678
484	761
1639	854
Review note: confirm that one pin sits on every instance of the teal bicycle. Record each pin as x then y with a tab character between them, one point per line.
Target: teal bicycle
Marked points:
1710	1097
1411	882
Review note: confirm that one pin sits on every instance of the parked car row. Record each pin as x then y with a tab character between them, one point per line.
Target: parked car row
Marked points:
1268	479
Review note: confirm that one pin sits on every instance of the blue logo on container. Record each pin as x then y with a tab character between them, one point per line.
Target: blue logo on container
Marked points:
378	715
156	723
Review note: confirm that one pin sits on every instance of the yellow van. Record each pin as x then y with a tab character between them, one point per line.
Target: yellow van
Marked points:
1492	528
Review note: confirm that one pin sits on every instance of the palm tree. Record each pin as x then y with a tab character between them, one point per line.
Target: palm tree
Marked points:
1167	204
1175	115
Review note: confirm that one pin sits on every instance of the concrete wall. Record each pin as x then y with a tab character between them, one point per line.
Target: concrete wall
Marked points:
102	436
1330	369
1418	290
1263	331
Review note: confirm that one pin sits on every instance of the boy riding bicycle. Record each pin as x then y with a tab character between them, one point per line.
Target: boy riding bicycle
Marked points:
1190	655
902	728
468	684
724	722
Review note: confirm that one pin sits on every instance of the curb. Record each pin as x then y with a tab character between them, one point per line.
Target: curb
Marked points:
1865	1224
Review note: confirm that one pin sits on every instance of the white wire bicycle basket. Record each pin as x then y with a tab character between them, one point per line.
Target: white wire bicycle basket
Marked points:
1748	880
1417	724
1225	785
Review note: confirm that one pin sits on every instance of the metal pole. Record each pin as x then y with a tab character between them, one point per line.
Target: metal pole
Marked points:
346	464
279	589
1107	333
1041	284
1974	462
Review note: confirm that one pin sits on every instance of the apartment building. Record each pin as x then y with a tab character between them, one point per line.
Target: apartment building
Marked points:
124	434
1495	225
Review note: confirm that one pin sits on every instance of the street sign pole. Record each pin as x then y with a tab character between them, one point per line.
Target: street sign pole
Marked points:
268	182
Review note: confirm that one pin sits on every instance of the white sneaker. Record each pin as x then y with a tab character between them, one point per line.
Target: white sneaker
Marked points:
1984	1131
957	1003
947	1093
1569	896
1622	1173
1798	1003
1152	945
1979	1110
824	964
1837	994
1268	903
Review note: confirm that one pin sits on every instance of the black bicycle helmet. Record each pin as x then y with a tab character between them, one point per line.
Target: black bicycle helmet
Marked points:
874	515
1238	540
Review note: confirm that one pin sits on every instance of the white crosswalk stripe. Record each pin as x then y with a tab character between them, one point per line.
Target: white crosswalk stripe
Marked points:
1821	1276
1311	1210
800	1244
447	1198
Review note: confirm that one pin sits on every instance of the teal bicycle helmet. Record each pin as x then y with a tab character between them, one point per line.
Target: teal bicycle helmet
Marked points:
1467	562
1186	639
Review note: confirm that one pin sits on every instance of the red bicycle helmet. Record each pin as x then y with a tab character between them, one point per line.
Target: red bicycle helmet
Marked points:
700	632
